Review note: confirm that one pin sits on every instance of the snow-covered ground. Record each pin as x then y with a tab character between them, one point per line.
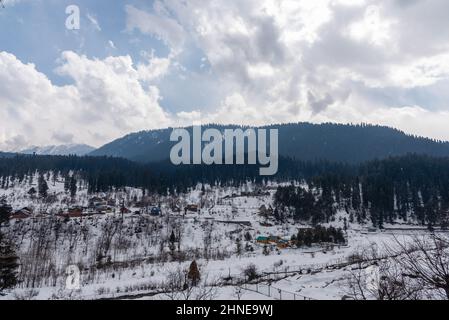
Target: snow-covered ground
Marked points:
132	256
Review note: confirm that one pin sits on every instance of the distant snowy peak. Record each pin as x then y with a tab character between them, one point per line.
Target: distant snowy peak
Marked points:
61	150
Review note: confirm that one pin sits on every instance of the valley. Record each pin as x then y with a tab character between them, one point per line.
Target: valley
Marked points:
128	245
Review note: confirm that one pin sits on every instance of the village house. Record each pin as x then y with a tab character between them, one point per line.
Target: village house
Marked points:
21	214
75	210
283	244
124	210
73	214
274	240
103	209
40	216
263	240
191	208
155	211
95	201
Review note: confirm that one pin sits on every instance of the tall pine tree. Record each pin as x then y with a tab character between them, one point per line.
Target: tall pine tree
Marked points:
8	258
42	186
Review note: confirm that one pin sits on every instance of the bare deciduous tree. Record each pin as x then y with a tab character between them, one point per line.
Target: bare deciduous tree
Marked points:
177	287
409	270
425	260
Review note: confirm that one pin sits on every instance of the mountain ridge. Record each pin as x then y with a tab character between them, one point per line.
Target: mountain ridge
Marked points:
62	150
302	141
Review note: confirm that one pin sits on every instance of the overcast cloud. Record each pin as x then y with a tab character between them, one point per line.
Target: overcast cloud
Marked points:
250	62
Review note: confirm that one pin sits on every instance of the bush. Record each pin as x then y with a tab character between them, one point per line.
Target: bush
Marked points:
250	272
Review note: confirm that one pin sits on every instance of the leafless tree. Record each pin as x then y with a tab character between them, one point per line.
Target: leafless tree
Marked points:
381	280
426	260
250	272
177	287
409	270
238	292
207	241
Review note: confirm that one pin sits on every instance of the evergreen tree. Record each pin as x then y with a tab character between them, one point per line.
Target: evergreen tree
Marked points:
8	258
238	247
32	192
194	274
266	250
42	186
300	237
308	237
276	214
172	241
73	187
5	211
66	183
8	265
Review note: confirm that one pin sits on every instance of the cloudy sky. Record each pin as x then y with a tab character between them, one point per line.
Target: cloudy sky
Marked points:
136	65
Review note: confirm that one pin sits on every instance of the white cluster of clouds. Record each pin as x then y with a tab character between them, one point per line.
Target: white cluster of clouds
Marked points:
108	99
325	60
274	61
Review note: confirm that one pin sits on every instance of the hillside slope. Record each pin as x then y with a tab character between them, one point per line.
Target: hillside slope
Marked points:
303	141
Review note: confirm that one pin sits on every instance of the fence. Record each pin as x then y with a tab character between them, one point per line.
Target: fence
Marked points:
273	292
308	268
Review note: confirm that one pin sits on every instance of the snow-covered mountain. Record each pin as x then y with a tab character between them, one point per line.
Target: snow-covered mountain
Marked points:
61	150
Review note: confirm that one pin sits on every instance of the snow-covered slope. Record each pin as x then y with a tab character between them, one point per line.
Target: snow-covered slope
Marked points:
130	255
61	150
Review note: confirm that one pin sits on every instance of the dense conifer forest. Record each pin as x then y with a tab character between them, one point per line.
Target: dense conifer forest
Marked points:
301	141
408	188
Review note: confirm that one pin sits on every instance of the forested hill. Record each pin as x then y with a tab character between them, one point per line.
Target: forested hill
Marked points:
6	155
106	173
302	141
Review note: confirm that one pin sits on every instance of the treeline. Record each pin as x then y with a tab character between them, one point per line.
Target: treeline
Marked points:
406	188
106	173
409	187
319	234
353	144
